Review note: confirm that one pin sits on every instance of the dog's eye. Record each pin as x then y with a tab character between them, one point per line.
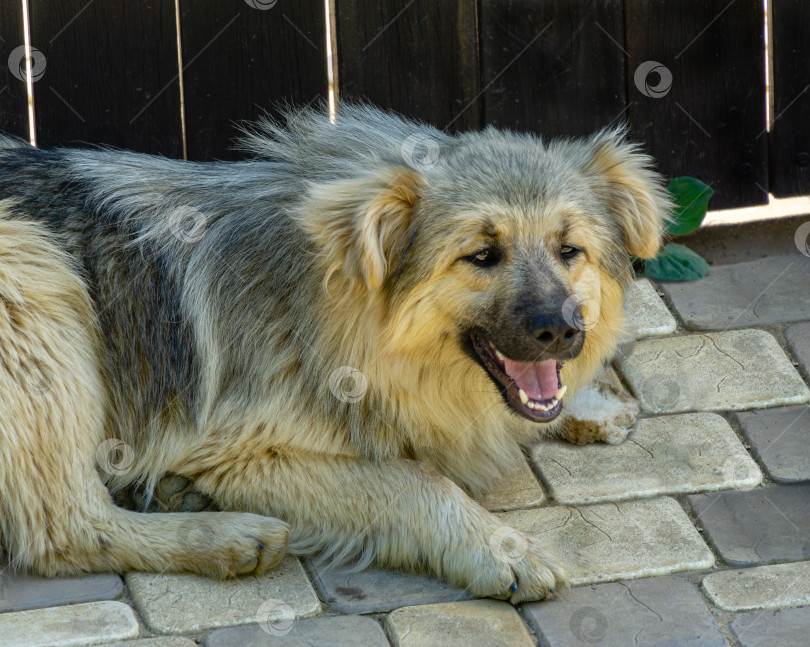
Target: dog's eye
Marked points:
567	252
486	257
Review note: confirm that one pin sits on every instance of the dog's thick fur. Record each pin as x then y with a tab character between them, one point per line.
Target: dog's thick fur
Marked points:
215	347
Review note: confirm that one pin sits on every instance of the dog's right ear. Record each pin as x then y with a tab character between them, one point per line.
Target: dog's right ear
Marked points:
362	225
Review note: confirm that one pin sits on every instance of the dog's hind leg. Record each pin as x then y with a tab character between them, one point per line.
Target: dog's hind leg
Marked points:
56	516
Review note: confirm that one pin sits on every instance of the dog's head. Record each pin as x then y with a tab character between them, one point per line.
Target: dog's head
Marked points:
503	255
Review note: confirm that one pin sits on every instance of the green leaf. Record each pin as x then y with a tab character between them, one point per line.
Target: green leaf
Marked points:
692	200
676	263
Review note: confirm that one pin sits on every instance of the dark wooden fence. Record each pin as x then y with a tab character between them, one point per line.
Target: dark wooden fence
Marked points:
688	76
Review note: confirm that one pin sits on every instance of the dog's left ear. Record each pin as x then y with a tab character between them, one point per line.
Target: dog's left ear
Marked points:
363	224
633	192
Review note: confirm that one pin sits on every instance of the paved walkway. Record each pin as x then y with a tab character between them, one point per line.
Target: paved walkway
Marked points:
694	531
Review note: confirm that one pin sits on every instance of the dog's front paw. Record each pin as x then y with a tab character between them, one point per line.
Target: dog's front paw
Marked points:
226	544
517	568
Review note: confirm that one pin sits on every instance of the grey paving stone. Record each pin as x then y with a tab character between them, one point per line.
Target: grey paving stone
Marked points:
659	611
617	541
786	628
459	624
339	631
779	437
374	589
757	526
732	370
162	641
176	604
798	336
646	313
768	290
693	452
19	592
73	625
517	489
777	586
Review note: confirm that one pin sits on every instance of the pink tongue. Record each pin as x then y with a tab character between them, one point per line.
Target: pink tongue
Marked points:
538	379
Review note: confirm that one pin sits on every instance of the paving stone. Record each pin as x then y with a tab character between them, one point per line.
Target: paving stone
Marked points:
458	624
163	641
373	589
186	603
798	337
764	291
787	628
660	611
616	541
692	452
339	631
732	370
757	526
646	313
68	626
779	438
517	489
19	592
763	587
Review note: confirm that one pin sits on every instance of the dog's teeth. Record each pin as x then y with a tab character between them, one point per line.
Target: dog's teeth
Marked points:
501	357
560	393
523	397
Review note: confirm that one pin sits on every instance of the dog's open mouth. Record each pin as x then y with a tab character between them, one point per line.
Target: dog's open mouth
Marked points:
533	389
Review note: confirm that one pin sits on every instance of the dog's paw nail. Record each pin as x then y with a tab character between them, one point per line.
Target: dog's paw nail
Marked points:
551	590
261	546
513	587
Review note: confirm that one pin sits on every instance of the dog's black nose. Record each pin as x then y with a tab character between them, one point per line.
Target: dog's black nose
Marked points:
557	337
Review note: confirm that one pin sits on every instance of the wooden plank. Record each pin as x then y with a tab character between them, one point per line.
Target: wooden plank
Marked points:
554	67
111	74
13	94
710	123
243	57
790	135
419	58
